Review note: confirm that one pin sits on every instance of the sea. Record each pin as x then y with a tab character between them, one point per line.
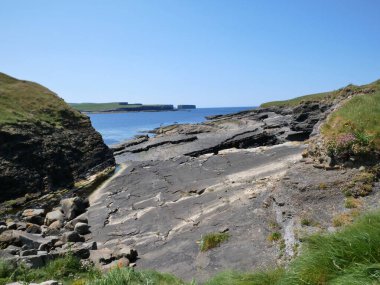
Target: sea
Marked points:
118	127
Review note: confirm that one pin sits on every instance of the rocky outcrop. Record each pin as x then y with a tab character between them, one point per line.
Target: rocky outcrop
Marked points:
259	127
48	145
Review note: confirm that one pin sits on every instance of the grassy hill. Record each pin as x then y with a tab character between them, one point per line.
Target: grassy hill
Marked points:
25	101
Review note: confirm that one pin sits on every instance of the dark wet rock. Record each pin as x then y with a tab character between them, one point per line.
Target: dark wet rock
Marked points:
28	252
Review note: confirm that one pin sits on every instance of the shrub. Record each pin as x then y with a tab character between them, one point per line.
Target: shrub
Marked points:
345	145
213	240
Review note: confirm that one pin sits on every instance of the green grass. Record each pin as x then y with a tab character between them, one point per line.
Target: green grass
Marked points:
65	269
127	276
25	101
212	240
238	278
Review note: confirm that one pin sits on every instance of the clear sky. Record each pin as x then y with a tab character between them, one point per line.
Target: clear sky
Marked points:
204	52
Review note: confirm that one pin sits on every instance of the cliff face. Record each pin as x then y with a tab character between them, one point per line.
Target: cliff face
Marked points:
44	143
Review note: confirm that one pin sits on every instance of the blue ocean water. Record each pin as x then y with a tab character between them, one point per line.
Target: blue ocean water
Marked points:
117	127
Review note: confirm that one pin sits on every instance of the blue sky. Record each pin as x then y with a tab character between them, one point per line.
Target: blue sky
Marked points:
204	52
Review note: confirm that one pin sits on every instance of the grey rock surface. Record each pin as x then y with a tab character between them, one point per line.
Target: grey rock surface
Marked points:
162	209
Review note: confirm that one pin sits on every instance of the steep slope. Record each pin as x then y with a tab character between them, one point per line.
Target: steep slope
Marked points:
44	143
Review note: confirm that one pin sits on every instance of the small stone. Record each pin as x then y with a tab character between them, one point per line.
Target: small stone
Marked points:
362	168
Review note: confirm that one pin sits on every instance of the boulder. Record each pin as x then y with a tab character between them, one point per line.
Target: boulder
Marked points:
82	228
35	216
8	238
53	216
14	250
73	207
71	237
34	241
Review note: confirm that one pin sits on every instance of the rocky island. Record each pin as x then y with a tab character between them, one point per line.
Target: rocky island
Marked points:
240	192
126	107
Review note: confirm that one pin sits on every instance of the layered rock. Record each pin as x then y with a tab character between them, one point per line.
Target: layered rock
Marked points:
45	144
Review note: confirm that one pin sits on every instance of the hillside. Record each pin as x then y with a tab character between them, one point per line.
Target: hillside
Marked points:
25	101
45	144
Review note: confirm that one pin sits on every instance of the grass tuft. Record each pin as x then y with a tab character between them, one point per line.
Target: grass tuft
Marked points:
213	240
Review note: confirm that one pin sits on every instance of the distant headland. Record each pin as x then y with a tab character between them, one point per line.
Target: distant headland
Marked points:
126	107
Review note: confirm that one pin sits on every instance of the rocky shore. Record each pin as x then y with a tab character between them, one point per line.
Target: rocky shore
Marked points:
249	176
245	174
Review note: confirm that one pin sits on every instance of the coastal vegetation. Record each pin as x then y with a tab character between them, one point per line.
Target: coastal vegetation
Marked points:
355	127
